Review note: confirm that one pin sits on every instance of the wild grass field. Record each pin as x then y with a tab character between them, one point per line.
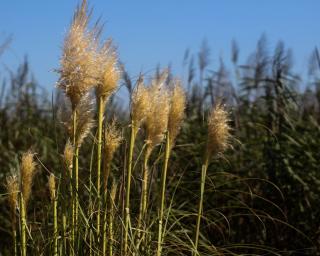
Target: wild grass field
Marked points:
222	162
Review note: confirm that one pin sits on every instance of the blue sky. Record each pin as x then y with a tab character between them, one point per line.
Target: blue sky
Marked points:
148	33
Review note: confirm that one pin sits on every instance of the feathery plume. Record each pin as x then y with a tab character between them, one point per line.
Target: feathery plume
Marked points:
78	69
157	115
85	121
176	112
112	139
68	155
218	131
27	170
139	104
52	186
12	186
108	73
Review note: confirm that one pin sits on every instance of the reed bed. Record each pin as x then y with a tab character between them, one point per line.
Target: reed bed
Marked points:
121	204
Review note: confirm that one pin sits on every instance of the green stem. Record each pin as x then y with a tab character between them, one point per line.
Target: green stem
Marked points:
111	215
128	185
14	239
143	200
55	228
112	196
23	224
105	200
73	185
99	149
163	189
200	208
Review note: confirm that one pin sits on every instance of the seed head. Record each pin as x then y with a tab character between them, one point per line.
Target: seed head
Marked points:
68	155
112	140
218	131
78	70
52	186
12	186
139	104
84	119
108	71
157	115
176	112
27	170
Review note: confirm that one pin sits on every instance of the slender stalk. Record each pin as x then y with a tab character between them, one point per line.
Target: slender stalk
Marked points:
14	240
73	185
105	200
23	224
128	185
90	212
163	189
76	158
143	200
111	216
200	207
99	149
55	227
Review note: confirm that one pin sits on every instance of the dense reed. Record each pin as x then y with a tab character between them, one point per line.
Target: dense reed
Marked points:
131	187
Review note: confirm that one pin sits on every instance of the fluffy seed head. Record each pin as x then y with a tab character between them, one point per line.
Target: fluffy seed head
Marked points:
52	186
27	171
218	131
157	115
112	140
176	112
84	119
139	104
12	186
78	71
68	155
108	71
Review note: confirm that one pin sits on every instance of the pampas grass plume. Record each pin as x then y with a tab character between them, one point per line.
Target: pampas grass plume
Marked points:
218	131
176	112
28	167
52	186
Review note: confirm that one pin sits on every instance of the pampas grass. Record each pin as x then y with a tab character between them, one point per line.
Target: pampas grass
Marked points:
27	172
218	141
175	118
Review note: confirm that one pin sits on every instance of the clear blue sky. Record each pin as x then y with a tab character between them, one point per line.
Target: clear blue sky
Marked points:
152	32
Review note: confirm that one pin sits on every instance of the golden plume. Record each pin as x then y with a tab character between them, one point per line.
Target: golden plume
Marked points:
112	139
218	131
78	68
158	110
12	186
177	108
68	155
27	172
139	104
52	186
108	73
85	121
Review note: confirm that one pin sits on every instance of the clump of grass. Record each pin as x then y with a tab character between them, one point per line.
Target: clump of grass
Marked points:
156	123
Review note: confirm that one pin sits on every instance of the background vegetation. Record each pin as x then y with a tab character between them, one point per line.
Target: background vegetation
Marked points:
263	197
